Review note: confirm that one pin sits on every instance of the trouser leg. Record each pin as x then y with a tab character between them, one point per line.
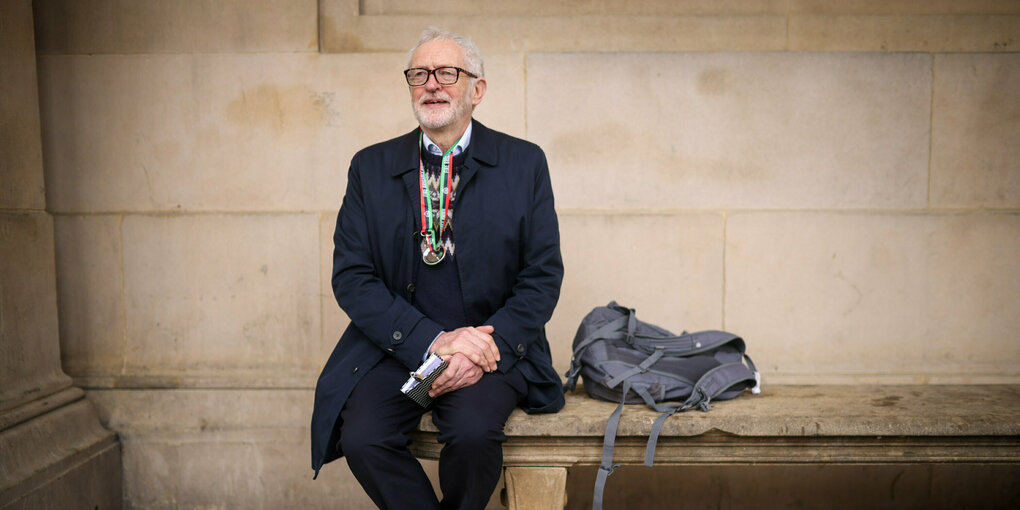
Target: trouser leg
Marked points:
470	422
377	419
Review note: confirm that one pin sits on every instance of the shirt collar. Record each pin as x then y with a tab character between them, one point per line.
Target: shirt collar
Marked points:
461	146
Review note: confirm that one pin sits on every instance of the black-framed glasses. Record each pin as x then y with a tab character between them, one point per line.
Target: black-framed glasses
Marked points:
417	76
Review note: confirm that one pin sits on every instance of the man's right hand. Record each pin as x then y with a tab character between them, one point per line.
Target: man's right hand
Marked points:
475	343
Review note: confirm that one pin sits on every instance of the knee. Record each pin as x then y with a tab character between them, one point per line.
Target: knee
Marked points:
360	440
474	438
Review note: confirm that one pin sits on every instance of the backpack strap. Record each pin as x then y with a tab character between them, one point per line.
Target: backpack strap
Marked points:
637	369
603	332
711	385
608	442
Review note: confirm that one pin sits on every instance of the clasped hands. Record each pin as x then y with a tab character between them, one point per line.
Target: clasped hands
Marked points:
469	351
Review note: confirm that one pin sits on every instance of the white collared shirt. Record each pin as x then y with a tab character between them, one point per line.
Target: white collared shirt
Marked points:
461	146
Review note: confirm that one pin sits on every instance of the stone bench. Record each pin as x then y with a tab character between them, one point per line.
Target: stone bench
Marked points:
783	425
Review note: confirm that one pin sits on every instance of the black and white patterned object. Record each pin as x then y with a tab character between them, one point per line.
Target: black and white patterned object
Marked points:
418	385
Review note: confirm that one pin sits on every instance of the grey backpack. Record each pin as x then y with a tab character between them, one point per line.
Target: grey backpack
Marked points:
625	360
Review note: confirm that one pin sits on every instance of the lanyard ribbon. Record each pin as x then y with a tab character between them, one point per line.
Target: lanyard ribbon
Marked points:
429	232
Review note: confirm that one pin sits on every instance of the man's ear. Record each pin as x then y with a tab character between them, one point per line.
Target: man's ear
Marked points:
478	91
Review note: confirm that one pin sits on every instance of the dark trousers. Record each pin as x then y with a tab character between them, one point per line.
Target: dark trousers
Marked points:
377	419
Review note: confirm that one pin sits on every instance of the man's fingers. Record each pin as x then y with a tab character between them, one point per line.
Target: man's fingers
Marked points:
461	372
475	343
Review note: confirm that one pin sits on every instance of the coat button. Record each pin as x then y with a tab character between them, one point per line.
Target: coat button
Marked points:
397	335
520	348
410	288
355	370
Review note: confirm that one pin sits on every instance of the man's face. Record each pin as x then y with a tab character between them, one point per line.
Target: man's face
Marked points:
440	106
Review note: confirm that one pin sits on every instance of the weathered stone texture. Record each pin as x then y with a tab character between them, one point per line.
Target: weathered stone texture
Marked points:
876	297
907	32
228	132
668	267
21	183
343	33
58	459
975	132
90	286
221	294
244	448
675	7
29	350
171	26
697	25
733	130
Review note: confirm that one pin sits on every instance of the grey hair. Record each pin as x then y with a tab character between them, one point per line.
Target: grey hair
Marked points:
472	57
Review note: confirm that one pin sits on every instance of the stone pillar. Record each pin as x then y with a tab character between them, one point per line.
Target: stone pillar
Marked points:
54	453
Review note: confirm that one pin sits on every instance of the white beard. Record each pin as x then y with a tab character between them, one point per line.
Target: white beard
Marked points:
442	117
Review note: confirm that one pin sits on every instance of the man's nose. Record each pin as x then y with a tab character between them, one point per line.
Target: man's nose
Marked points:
432	83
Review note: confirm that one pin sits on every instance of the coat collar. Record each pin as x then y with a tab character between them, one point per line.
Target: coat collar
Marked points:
481	150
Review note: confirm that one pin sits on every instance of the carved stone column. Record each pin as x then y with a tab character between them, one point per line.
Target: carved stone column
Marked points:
54	453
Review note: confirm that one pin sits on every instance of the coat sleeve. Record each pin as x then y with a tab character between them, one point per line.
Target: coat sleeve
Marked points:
384	316
520	321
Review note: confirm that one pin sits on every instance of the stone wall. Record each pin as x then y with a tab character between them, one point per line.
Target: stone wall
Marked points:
53	451
839	182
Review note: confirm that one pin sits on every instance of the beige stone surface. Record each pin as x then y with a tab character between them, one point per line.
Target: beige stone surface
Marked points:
228	132
694	130
840	297
676	7
905	411
29	346
90	291
668	267
343	32
535	488
21	178
36	452
975	129
904	32
221	294
235	448
171	26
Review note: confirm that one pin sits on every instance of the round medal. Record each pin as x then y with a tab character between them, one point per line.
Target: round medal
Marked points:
432	258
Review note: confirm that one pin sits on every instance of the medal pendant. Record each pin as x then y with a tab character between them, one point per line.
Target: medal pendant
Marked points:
432	258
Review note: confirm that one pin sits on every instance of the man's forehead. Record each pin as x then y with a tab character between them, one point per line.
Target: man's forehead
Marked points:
438	52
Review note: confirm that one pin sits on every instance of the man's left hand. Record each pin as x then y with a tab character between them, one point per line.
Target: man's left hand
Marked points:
461	372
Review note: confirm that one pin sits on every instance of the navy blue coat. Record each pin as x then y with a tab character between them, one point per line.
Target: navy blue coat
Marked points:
508	258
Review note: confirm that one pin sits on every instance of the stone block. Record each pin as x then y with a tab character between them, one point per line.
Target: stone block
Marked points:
904	32
90	286
680	7
764	130
232	296
21	169
666	266
228	132
36	454
838	297
975	128
29	345
222	448
343	30
169	26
